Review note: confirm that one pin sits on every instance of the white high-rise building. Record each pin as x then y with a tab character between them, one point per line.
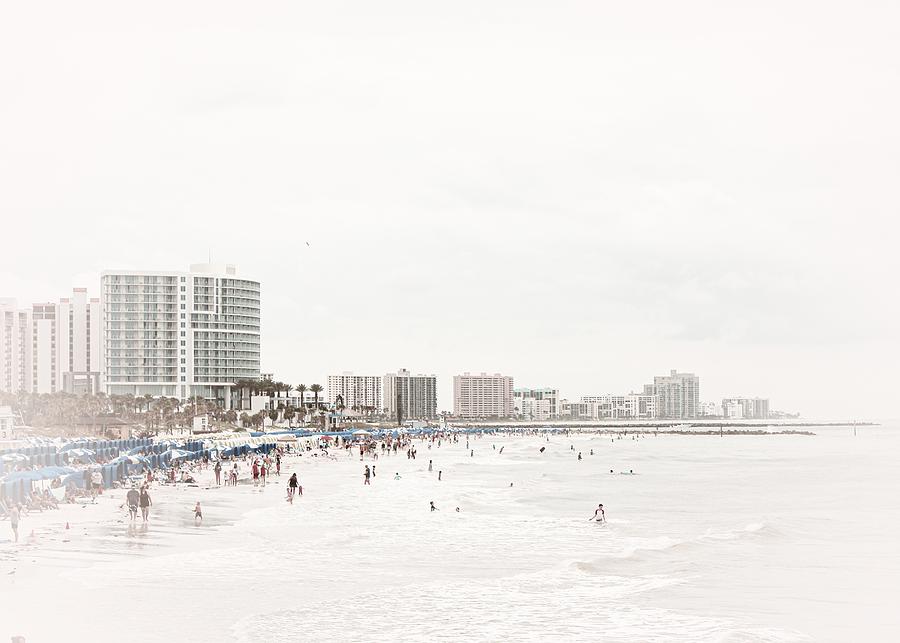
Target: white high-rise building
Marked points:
677	395
482	396
356	391
78	343
44	356
414	396
179	334
15	348
51	347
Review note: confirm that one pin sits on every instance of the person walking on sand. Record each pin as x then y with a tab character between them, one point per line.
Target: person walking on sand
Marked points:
262	474
145	503
218	471
367	474
198	513
292	487
14	521
255	470
278	464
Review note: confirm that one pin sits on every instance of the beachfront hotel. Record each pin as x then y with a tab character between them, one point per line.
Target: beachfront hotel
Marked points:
179	334
745	408
677	395
536	404
413	396
15	358
355	390
634	406
482	396
51	347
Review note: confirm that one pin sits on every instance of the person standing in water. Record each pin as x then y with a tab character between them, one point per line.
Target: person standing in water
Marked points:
133	498
429	465
198	513
14	521
433	508
599	514
367	474
145	503
218	471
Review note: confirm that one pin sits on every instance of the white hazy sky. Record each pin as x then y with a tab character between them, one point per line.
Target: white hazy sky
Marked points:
579	194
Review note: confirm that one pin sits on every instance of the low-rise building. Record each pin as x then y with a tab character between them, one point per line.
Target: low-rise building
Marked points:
536	404
746	408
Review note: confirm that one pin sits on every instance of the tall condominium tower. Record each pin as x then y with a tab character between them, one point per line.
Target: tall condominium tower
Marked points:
479	396
51	347
415	396
179	334
78	343
15	348
677	395
355	390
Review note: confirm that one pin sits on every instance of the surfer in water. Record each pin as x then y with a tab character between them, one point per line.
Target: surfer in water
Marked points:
599	514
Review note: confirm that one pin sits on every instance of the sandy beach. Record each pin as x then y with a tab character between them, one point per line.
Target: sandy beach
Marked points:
702	544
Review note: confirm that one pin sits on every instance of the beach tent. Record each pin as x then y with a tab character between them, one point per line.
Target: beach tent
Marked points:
176	454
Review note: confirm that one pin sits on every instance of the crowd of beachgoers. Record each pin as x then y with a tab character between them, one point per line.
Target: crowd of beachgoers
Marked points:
256	461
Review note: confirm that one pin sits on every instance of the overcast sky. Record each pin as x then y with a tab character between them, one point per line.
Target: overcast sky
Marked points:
578	194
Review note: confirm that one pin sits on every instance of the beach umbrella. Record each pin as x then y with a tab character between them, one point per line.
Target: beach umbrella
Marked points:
361	432
31	476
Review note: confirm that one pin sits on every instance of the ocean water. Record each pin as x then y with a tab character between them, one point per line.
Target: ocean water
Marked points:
727	539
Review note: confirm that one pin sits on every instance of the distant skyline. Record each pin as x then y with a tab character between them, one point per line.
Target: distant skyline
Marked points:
580	195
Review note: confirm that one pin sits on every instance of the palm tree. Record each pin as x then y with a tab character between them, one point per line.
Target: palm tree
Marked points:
316	389
301	388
